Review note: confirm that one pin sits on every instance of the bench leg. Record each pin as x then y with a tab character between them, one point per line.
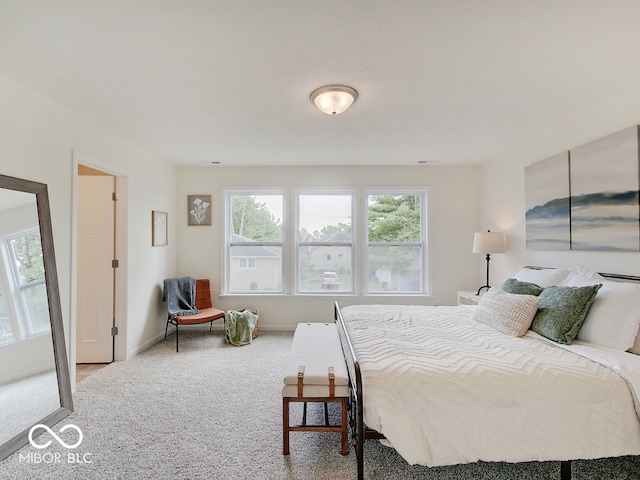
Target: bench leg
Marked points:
343	429
285	426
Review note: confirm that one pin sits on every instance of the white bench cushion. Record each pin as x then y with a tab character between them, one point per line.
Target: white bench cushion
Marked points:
317	347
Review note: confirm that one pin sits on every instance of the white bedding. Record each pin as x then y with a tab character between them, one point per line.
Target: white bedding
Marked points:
445	390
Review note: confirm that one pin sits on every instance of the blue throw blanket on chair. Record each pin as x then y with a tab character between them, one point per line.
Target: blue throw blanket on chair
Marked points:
180	295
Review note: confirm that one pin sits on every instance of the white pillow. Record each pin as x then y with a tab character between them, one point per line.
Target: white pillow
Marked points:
508	313
614	317
582	273
546	277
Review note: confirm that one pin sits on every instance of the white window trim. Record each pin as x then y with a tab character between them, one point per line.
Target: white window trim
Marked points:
359	254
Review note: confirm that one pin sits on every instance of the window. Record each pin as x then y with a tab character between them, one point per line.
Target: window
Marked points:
254	242
247	263
26	256
395	234
350	241
325	242
24	310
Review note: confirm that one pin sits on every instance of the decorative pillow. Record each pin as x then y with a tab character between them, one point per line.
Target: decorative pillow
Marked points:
545	277
522	288
509	313
562	311
614	317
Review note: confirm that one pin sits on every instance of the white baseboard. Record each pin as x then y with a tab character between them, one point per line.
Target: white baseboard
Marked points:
145	345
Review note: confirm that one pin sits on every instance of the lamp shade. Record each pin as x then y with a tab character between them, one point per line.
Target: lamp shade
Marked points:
488	242
334	99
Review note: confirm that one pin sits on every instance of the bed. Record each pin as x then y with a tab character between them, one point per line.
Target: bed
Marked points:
459	384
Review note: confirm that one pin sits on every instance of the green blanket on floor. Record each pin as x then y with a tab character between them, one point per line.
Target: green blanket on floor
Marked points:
238	326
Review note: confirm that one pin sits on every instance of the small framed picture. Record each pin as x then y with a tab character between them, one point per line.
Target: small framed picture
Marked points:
199	209
158	228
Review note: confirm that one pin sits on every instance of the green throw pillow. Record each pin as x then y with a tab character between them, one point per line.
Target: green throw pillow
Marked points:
521	288
562	311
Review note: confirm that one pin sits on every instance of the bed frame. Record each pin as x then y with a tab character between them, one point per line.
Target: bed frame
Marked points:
359	431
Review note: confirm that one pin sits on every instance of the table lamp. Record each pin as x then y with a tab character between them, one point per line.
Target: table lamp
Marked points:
488	242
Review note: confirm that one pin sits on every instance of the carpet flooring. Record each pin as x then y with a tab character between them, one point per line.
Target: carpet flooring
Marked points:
213	411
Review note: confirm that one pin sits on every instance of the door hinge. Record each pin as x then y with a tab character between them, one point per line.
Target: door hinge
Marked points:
114	331
115	196
115	263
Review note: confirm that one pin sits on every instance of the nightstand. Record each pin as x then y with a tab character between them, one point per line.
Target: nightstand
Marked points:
468	298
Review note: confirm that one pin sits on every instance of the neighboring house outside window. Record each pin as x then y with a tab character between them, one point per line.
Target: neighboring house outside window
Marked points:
255	267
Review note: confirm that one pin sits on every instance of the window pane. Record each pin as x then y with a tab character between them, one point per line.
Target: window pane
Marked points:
324	234
394	218
28	255
6	335
324	268
325	218
395	269
256	218
35	298
255	268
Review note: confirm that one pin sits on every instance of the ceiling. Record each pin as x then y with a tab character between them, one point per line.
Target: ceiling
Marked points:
439	81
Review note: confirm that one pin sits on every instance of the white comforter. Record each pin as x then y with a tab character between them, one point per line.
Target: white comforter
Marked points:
445	390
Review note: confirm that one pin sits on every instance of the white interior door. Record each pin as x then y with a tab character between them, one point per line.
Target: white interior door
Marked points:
95	289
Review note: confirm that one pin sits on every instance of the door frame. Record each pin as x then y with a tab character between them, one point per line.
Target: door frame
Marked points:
120	351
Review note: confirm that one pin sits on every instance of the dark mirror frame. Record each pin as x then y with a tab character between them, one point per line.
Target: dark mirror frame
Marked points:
55	310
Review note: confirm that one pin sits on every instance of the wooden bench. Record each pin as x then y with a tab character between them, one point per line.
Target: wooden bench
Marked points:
316	372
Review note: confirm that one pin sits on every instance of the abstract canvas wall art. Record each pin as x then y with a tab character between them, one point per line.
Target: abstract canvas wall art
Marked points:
547	204
605	209
587	198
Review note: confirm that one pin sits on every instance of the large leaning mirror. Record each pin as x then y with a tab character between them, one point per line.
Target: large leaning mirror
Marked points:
34	372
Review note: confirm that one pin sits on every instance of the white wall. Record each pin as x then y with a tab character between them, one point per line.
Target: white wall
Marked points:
503	188
454	216
37	138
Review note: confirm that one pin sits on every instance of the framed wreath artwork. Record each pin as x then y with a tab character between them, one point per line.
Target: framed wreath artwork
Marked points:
199	210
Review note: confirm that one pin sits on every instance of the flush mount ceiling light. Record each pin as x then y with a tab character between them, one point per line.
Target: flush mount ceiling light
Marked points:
334	99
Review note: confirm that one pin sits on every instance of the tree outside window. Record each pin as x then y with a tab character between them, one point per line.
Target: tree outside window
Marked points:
26	255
